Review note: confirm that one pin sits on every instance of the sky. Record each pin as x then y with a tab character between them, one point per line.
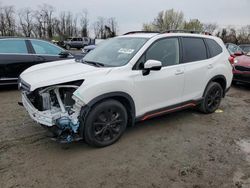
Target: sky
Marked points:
131	14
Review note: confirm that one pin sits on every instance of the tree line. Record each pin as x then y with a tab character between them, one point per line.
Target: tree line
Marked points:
175	20
43	22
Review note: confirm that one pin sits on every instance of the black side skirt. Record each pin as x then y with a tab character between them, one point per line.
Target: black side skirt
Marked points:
169	109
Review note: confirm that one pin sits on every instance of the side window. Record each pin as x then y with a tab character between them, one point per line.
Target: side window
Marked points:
214	48
42	47
10	46
194	49
165	50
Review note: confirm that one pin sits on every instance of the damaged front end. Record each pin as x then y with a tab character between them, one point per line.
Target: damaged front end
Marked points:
56	108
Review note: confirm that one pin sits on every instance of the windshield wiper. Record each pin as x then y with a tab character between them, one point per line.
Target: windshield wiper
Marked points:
97	64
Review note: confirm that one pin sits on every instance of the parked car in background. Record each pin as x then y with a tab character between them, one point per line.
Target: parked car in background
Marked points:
18	54
87	49
76	42
91	47
234	49
240	63
129	78
245	48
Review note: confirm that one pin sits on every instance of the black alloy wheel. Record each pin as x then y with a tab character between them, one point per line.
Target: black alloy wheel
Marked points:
105	123
212	98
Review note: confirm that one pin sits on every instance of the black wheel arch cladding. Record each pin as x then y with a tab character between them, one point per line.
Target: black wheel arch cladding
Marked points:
124	98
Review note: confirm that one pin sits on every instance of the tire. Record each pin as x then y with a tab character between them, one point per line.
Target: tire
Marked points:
212	98
67	47
105	123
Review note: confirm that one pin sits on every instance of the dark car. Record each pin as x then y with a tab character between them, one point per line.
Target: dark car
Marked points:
240	63
18	54
245	48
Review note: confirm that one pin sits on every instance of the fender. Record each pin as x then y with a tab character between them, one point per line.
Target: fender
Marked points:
130	106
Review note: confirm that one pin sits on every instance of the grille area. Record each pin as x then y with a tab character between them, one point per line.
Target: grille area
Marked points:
241	68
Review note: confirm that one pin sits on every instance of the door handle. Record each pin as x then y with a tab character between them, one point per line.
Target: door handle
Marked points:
179	72
210	66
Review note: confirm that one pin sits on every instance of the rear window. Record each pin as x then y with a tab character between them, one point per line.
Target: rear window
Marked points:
194	49
13	46
214	48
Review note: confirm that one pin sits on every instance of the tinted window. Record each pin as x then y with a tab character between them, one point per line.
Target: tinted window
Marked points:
42	47
214	47
165	51
13	46
194	49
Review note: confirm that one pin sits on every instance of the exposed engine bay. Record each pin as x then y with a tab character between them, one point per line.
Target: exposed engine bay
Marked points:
56	108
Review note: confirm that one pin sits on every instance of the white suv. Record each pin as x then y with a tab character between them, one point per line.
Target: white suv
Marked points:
129	78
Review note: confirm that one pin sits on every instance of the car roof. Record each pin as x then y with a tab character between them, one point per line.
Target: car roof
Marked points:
153	34
22	38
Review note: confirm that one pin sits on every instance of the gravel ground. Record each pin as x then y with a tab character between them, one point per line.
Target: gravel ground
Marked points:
183	149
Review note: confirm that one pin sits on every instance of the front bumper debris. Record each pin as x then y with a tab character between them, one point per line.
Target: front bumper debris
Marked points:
64	127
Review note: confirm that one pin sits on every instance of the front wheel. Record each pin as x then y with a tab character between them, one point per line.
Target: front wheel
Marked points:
212	98
105	123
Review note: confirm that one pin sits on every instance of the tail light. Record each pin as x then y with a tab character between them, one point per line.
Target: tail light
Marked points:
231	59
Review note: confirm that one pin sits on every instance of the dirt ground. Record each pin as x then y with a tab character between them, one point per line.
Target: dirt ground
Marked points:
183	149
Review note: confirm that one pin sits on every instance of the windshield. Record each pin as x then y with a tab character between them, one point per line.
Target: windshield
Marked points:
115	52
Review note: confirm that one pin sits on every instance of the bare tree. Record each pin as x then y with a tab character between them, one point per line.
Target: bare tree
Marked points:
193	25
244	35
7	21
113	27
210	27
166	20
84	23
26	21
99	28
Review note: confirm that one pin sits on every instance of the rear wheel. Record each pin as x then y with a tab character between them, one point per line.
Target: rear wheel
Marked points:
212	98
105	123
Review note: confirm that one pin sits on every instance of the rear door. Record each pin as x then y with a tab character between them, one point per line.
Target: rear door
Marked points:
196	66
45	51
15	57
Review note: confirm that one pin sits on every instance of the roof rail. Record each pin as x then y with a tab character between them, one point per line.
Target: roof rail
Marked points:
135	32
170	31
182	31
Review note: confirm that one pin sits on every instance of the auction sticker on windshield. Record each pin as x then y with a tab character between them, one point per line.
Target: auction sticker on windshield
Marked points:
126	51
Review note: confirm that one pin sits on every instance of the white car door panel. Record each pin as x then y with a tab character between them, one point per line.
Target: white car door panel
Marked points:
159	89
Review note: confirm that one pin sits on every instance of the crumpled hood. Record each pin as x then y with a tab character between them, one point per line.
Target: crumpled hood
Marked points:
243	61
52	73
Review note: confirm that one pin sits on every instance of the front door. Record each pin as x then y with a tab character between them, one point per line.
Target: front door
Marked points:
161	88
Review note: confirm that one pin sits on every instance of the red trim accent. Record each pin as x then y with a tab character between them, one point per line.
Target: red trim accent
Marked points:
169	110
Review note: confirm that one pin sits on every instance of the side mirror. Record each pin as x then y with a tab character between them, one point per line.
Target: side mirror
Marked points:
153	65
64	54
238	53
